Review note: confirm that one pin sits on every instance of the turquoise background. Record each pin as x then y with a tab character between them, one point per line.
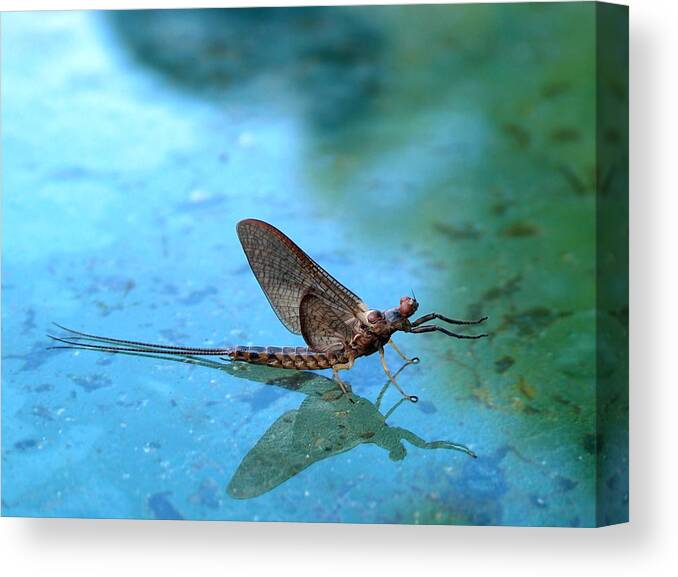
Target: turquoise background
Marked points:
449	150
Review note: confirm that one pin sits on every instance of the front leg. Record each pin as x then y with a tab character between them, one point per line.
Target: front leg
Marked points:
431	316
391	378
433	328
410	361
380	396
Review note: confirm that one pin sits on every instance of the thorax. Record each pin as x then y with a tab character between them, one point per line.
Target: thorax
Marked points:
370	338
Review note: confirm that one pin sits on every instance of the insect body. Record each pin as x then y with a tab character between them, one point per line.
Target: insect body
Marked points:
336	324
300	358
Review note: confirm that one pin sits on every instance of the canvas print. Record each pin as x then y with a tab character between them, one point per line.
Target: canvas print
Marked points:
361	264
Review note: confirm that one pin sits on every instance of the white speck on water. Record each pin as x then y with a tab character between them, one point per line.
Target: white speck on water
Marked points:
307	493
125	476
197	195
246	139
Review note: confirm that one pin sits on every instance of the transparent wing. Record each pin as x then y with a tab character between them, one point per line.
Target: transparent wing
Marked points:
287	274
322	328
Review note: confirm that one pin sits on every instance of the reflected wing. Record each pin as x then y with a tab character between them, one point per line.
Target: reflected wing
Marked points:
322	328
287	274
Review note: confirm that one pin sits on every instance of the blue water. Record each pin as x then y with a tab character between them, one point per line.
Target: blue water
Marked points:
132	145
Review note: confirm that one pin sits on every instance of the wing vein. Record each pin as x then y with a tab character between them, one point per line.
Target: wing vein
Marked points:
287	274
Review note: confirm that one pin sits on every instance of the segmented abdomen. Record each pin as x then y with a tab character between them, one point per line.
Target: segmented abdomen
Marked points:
301	358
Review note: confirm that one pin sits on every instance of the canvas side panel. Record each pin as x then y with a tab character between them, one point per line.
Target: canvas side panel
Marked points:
612	270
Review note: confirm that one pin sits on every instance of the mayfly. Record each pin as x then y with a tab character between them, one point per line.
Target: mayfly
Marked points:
335	323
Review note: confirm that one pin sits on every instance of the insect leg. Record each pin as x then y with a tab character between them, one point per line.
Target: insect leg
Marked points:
345	387
411	361
433	328
431	316
412	398
382	392
419	442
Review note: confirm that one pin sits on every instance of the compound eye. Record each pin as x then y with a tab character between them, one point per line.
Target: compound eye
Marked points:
374	316
408	306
